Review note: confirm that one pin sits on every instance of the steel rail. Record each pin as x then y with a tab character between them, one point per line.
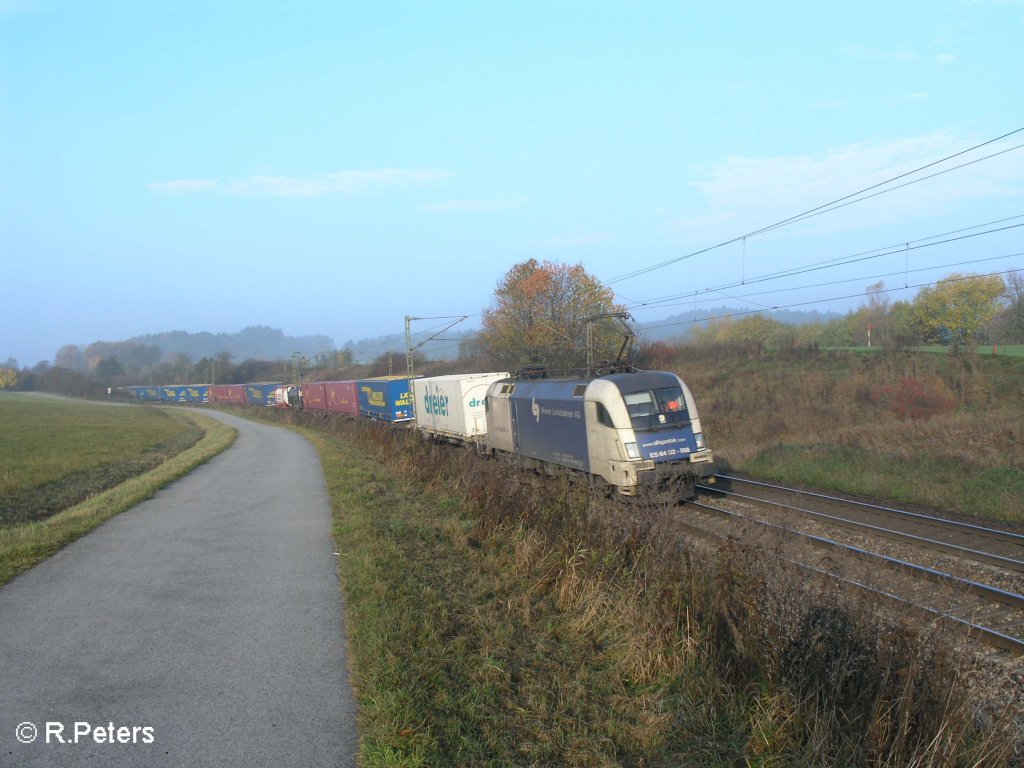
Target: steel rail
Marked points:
931	519
945	546
990	635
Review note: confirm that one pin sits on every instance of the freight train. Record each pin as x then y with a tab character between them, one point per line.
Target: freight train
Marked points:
625	433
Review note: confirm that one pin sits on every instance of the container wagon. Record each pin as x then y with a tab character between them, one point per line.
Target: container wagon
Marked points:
143	393
261	393
233	394
174	393
151	394
314	396
453	407
386	397
342	397
197	393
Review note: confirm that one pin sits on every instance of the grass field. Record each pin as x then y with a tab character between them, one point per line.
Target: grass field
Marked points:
68	466
47	438
58	452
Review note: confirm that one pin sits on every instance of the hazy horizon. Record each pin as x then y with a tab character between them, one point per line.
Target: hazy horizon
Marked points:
331	168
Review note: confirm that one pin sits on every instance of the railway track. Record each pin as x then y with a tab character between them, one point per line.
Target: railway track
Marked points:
990	613
1003	549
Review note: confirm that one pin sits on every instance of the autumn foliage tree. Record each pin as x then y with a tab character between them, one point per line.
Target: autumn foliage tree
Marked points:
958	307
1014	313
539	314
8	378
753	333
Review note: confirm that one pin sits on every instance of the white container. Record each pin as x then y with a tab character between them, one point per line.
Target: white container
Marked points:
454	406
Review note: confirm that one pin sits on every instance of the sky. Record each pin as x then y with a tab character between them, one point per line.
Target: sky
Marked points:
331	167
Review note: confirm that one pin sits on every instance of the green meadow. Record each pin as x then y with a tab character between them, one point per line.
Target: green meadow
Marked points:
67	466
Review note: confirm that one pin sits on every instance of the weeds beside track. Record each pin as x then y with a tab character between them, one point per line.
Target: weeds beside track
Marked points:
939	431
501	618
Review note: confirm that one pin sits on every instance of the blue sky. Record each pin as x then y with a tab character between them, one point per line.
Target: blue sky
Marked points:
332	167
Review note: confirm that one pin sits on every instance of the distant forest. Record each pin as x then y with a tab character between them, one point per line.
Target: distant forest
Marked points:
179	350
258	342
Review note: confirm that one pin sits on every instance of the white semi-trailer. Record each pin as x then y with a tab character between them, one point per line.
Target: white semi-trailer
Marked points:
453	407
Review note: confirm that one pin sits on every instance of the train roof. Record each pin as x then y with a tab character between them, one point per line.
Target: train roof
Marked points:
637	381
641	380
629	380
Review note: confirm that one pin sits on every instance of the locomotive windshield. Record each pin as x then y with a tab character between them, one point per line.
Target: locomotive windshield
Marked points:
657	409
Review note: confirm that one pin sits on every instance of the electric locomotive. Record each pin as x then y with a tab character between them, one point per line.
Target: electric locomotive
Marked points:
626	432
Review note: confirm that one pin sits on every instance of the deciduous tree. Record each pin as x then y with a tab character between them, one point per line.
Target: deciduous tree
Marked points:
108	368
8	378
753	333
1015	295
539	313
70	356
958	307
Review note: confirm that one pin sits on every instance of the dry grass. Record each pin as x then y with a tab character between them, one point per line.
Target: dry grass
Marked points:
973	441
840	421
516	620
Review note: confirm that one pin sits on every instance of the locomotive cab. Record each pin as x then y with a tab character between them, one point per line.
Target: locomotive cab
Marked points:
643	432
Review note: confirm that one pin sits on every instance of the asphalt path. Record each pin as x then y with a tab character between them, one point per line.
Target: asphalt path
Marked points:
204	627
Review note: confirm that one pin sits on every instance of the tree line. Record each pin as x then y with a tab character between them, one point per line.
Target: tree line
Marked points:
560	316
960	311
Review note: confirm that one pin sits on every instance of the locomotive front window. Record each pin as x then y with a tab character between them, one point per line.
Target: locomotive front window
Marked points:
657	409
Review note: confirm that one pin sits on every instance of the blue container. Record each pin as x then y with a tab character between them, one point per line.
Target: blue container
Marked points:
260	393
151	394
197	393
388	398
174	393
549	424
136	393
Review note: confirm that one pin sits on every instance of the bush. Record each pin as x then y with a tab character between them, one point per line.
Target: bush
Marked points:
916	399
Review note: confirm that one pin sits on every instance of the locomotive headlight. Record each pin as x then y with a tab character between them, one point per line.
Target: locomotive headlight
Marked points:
699	437
632	451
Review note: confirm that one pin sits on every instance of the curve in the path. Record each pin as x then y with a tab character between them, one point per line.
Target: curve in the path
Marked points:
210	615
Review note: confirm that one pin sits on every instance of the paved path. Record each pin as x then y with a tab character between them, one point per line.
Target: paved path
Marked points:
206	623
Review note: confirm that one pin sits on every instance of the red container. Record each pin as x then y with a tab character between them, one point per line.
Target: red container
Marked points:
314	396
228	393
342	397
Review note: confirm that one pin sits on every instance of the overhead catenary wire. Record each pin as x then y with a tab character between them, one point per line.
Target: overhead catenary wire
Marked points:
902	272
864	256
840	260
830	207
730	315
824	208
840	202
